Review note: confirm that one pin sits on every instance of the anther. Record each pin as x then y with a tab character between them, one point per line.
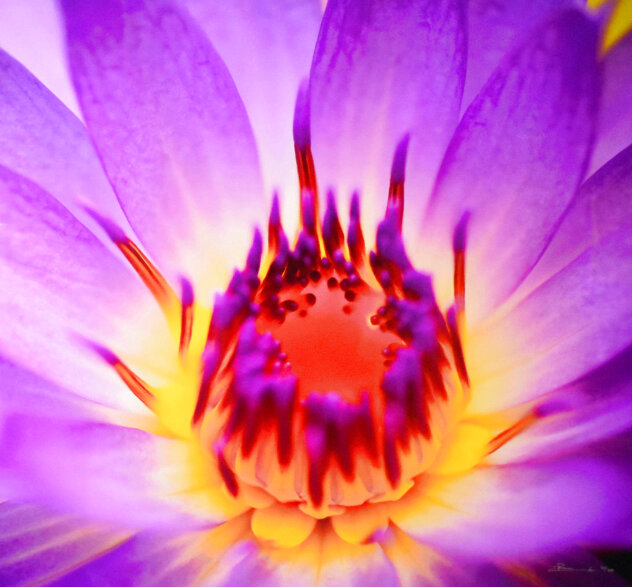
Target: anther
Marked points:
289	305
332	428
253	261
186	319
333	236
355	238
274	226
457	347
398	175
227	474
210	364
303	150
390	246
459	243
308	212
236	304
339	259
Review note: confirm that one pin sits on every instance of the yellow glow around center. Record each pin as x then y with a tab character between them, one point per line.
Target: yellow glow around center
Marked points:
620	22
177	396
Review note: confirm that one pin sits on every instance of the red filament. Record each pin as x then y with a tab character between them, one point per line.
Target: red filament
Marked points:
151	277
135	384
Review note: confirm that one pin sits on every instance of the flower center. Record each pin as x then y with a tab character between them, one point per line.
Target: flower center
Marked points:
327	337
327	372
327	376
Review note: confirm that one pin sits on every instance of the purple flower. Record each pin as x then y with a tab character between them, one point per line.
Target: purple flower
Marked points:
417	374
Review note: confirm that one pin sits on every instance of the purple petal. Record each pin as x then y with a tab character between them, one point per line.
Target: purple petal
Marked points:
60	284
573	312
32	33
601	207
498	27
151	558
42	140
573	322
267	70
103	472
227	557
38	546
595	407
516	161
162	558
171	130
614	129
519	511
382	70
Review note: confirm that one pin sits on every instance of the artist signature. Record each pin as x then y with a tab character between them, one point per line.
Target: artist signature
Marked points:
562	568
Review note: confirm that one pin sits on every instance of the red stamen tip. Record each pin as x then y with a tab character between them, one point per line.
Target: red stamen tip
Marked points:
186	315
398	175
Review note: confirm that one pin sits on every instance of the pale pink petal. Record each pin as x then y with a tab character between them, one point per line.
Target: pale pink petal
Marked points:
497	27
171	130
382	70
267	71
42	140
515	162
60	286
614	129
573	312
32	32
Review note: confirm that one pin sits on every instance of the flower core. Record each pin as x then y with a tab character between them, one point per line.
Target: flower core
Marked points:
327	337
338	370
328	371
328	376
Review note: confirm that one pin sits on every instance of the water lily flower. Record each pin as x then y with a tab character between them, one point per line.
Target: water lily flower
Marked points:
360	322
